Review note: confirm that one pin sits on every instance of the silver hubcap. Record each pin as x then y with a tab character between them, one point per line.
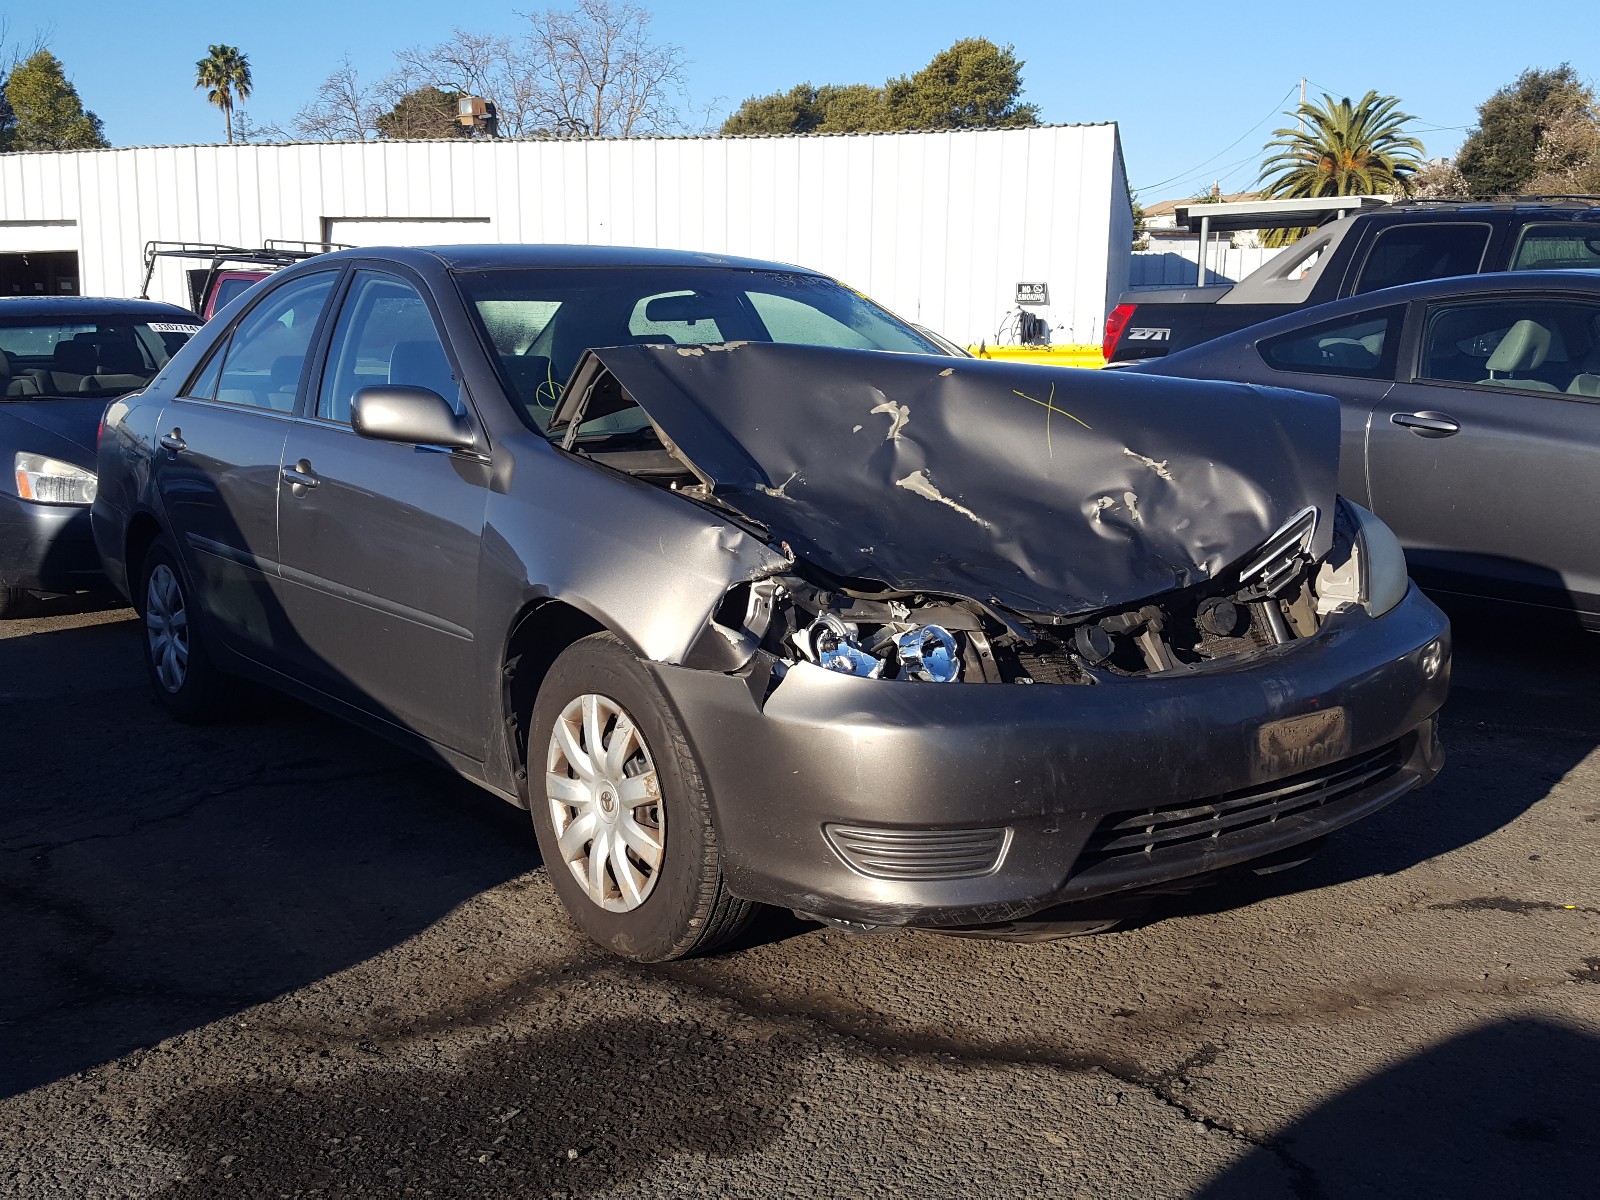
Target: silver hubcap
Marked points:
166	624
605	803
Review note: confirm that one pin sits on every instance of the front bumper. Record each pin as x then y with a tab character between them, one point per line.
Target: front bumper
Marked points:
47	547
875	801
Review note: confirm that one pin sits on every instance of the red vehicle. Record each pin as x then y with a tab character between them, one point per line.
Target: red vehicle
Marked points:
233	270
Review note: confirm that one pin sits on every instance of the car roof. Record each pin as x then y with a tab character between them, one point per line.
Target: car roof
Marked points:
66	307
490	257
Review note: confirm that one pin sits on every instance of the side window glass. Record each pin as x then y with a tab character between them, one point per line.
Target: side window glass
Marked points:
263	362
1525	345
384	335
687	318
1407	254
1569	245
1362	346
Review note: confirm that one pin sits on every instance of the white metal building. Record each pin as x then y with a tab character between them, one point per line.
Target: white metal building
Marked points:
940	227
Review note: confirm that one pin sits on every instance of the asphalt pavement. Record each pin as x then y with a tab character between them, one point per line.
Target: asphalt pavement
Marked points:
277	957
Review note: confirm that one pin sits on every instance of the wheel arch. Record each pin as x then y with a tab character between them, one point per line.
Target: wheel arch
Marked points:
143	530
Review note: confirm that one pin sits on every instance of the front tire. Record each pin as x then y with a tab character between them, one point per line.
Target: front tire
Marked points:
182	675
621	811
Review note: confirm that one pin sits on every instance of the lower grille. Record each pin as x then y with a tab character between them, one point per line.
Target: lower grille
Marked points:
1183	829
919	854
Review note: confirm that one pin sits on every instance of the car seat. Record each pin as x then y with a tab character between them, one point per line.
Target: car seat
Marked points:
71	362
120	369
1524	348
12	386
1588	382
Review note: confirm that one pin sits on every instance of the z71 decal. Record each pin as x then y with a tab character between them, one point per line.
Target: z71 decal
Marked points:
1147	334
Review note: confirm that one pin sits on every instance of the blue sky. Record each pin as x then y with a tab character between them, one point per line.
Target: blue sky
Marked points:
1195	99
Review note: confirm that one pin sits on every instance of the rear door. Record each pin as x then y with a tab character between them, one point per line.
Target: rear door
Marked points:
1484	460
220	447
1352	358
380	542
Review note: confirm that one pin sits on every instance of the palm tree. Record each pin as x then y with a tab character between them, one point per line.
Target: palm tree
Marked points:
225	74
1341	149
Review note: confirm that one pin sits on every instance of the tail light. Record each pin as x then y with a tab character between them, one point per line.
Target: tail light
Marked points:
99	435
1115	324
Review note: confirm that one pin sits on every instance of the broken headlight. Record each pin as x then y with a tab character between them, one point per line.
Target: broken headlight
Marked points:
1366	565
898	650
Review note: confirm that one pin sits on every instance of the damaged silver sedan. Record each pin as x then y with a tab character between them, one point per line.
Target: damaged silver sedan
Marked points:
752	596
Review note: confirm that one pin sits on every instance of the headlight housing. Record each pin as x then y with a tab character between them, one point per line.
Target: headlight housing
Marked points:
51	481
1366	565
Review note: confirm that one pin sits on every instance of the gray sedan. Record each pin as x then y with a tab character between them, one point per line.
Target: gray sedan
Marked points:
1471	417
751	596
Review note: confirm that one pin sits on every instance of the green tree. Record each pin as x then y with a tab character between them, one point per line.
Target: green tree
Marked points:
224	73
425	112
48	115
1498	157
973	84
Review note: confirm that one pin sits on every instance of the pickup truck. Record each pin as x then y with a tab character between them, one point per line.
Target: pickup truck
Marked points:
1370	249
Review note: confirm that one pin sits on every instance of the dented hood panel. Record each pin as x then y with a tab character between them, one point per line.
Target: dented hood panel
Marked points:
1044	489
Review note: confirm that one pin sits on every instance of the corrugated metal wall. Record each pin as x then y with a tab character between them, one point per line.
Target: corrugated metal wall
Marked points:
938	226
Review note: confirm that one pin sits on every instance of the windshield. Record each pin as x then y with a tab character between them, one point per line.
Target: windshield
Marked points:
540	321
43	360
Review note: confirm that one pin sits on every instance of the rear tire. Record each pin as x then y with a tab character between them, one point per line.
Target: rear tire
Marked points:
626	832
185	681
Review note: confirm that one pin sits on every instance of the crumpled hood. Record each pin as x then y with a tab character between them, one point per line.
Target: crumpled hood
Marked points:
1044	489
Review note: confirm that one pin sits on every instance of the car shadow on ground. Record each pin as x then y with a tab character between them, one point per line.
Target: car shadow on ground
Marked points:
1503	1110
156	877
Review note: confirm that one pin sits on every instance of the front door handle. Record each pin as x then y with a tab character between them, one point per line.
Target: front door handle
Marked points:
300	477
1427	424
174	441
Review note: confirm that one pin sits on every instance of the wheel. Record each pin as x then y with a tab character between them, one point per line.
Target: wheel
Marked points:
621	812
182	675
14	602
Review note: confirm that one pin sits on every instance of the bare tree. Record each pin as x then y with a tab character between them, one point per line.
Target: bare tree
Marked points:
342	111
603	75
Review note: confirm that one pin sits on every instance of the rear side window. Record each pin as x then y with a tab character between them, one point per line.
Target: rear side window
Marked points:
262	364
1409	253
1567	246
1362	346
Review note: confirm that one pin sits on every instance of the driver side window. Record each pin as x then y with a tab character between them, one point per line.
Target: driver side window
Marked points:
385	335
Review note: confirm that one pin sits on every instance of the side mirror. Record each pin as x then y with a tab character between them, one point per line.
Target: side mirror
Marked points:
413	416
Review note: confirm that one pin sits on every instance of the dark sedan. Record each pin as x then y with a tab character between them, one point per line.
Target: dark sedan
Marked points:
62	359
751	595
1471	415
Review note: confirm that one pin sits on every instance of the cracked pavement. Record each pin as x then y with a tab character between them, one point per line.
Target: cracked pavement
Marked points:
279	958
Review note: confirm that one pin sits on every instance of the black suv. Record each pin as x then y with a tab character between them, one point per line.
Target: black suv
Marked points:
1376	248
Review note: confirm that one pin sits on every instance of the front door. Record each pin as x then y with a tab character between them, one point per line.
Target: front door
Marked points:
1484	464
380	542
219	452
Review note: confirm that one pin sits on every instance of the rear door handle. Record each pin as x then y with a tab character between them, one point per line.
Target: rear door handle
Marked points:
300	477
174	441
1427	424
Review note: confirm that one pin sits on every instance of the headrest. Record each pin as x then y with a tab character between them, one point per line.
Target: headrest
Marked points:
75	357
121	358
1524	348
286	372
422	364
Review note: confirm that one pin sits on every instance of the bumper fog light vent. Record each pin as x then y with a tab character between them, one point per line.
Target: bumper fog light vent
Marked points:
919	854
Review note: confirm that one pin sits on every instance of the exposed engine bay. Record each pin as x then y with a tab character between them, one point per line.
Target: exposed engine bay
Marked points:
966	536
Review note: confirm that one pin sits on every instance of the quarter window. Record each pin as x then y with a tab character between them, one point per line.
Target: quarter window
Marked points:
1528	345
1571	244
1408	253
262	365
1362	346
385	335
